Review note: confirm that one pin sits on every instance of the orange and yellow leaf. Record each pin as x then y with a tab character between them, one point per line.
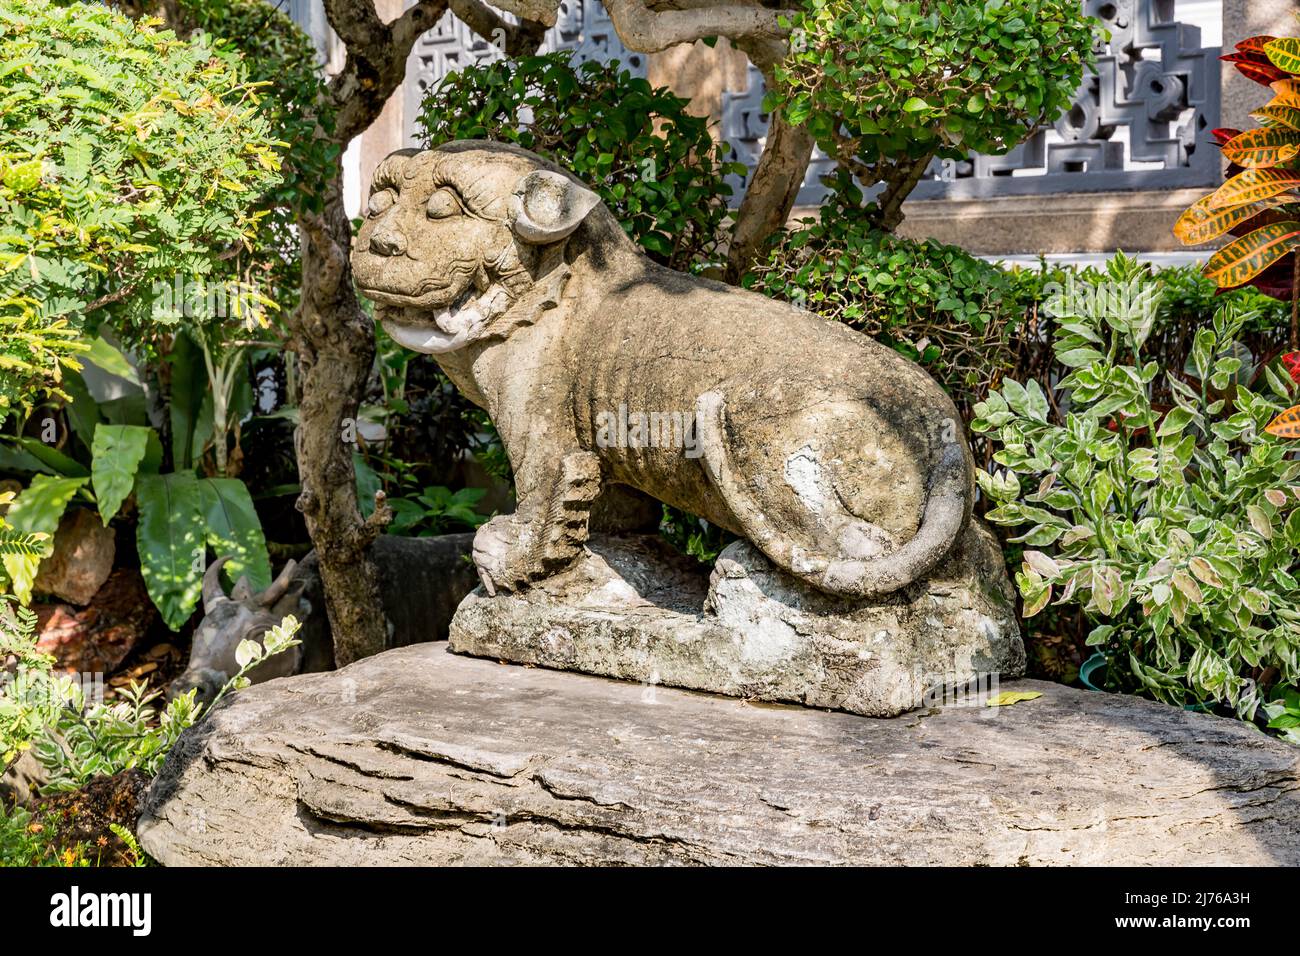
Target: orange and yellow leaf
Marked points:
1279	115
1240	261
1254	185
1262	148
1286	425
1200	223
1287	93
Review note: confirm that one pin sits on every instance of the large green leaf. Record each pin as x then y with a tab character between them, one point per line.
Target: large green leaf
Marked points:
117	453
83	410
170	538
191	427
110	358
38	508
234	529
54	459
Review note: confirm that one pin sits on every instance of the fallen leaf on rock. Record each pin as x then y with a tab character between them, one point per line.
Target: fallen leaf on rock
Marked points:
1008	697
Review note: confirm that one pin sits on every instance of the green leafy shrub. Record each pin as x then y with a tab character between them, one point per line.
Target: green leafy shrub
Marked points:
281	61
937	304
127	156
957	75
652	162
886	85
436	510
1175	529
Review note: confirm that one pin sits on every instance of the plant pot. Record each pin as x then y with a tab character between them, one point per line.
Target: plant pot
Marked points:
1094	666
1092	674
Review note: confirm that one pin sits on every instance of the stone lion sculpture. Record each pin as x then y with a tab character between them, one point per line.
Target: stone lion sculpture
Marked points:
838	458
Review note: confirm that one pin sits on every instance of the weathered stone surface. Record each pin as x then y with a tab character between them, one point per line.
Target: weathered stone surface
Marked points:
82	558
836	457
635	609
421	756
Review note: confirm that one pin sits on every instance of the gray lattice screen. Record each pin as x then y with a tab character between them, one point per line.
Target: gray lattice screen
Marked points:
1141	122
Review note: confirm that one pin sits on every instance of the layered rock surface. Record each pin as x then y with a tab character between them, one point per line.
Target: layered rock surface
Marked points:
420	756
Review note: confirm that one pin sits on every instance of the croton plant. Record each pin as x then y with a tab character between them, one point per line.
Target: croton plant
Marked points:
1259	204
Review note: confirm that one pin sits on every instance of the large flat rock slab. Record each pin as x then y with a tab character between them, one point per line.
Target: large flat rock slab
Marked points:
419	756
636	609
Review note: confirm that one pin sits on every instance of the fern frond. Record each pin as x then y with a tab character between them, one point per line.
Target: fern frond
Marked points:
28	544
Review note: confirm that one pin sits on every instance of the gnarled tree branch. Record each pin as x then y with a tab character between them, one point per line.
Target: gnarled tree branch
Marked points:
520	39
644	29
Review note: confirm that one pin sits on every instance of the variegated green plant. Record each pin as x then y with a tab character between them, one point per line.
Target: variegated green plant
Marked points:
1176	527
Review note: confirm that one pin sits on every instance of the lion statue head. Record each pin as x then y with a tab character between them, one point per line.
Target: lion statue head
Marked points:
456	239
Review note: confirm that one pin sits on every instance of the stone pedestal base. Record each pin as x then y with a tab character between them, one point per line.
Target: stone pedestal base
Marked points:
418	756
636	610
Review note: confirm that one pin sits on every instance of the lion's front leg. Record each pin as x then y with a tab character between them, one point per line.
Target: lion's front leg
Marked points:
546	533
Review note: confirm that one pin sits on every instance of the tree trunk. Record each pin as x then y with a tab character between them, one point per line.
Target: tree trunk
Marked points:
334	340
771	193
898	186
776	180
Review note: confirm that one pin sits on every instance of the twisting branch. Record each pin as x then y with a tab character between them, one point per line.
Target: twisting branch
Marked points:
646	30
899	184
520	39
777	177
376	57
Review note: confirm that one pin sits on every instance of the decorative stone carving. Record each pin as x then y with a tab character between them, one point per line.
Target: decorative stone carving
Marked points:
633	608
840	461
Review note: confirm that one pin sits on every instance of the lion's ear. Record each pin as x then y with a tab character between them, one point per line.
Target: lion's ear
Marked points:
547	207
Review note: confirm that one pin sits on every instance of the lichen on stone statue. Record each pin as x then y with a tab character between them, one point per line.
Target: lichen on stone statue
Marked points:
608	375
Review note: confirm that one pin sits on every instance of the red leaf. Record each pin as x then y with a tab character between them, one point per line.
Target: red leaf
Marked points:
1292	362
1256	67
1224	133
1254	44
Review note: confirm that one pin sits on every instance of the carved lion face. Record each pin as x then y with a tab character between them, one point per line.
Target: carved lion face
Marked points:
454	236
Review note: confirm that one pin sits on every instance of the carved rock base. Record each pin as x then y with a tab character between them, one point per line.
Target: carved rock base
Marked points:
636	610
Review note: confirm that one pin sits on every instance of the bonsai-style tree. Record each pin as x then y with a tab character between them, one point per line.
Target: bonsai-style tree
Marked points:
885	86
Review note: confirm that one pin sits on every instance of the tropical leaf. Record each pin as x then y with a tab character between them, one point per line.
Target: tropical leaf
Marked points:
1254	44
1224	133
1286	425
1254	185
1255	67
117	452
37	510
1286	92
1284	53
1279	115
1244	258
53	459
1200	223
170	538
110	359
1270	146
234	529
191	402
